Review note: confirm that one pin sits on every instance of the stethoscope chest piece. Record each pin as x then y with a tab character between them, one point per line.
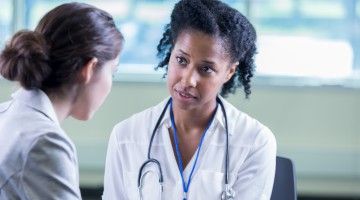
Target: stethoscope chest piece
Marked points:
228	193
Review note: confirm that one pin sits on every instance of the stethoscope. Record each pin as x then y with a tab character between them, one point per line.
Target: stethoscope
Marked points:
227	194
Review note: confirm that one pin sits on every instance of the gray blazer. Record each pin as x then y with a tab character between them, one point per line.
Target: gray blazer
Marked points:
37	159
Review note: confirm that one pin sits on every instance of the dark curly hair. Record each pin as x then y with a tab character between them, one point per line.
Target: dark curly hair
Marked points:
214	18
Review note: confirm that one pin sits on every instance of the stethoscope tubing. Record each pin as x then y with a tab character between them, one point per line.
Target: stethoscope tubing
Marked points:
156	127
227	141
152	160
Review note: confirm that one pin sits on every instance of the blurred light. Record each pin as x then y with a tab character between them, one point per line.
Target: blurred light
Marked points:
303	56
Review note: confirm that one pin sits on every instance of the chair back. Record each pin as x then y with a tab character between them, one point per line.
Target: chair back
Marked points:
285	182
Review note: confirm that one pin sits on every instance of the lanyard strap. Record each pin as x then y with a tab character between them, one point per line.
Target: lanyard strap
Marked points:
178	153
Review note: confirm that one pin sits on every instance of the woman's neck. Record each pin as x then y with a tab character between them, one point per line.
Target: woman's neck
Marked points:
62	103
189	121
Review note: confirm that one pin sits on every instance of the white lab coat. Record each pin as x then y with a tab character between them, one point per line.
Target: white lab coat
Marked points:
37	159
252	154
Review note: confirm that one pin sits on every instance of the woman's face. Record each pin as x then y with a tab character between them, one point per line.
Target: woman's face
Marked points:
198	68
93	94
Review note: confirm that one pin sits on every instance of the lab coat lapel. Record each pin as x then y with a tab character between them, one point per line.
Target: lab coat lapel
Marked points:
172	176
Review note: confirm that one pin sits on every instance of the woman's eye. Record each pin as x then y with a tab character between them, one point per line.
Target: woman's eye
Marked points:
181	60
207	69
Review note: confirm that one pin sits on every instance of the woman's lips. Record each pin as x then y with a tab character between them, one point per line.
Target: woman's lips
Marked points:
185	94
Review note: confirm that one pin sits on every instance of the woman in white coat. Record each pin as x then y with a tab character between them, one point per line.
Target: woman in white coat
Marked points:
65	69
196	145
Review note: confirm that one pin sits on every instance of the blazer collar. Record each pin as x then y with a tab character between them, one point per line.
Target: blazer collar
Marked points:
38	100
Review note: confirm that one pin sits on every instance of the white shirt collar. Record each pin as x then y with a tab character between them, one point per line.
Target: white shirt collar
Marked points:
166	119
229	111
218	118
38	100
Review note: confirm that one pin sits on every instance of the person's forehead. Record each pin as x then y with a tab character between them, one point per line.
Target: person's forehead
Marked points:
204	42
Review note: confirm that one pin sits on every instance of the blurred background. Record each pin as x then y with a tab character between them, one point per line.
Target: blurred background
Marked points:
306	89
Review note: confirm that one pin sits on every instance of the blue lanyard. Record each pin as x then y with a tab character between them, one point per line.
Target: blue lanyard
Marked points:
178	154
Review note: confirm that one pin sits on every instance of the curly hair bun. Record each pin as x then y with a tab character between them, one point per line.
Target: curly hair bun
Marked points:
25	59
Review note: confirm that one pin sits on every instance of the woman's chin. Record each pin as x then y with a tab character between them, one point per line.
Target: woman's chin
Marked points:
83	117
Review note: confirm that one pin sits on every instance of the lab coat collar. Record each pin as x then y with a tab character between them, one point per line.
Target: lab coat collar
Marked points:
166	119
218	118
38	100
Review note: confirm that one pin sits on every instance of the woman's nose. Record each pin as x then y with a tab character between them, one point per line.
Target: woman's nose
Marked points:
189	77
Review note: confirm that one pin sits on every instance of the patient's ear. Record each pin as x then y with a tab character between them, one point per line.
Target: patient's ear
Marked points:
87	72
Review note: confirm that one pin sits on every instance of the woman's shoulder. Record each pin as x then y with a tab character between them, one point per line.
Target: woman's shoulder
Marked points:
27	124
4	106
29	111
31	135
48	136
246	128
54	143
144	117
139	125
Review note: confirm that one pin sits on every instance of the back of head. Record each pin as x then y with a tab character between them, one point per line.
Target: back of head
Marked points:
216	19
65	39
25	59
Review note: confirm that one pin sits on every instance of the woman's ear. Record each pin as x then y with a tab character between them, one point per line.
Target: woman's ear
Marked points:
88	70
231	71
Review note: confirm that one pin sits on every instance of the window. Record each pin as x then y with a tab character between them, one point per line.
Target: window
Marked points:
5	21
308	38
298	40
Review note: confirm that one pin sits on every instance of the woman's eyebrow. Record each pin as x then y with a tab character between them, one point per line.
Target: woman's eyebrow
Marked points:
183	52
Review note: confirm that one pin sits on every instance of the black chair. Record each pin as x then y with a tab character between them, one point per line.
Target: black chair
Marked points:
285	181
